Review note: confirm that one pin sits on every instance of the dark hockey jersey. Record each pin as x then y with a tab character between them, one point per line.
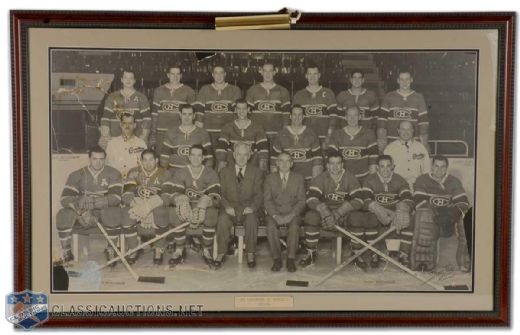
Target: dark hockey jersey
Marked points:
270	107
215	107
176	146
359	150
323	189
144	184
117	104
253	134
166	106
87	182
367	103
304	148
397	107
430	193
318	107
206	182
386	193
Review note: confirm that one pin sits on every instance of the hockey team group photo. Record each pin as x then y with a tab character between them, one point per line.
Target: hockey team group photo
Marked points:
204	171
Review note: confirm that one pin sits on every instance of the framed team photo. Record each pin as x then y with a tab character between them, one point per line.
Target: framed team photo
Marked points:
351	170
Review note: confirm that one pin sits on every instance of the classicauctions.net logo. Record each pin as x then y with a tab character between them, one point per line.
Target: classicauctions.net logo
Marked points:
26	309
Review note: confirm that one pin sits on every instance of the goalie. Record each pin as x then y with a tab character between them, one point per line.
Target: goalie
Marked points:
196	195
389	202
146	197
335	198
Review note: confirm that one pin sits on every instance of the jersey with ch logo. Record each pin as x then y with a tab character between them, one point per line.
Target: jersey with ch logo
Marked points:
319	107
177	144
386	192
214	106
194	185
325	189
270	107
447	192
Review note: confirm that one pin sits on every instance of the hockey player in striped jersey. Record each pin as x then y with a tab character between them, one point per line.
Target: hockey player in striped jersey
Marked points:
302	144
443	195
196	195
242	130
357	144
269	102
126	100
146	196
388	200
178	141
334	198
215	103
91	194
357	95
319	104
167	100
402	104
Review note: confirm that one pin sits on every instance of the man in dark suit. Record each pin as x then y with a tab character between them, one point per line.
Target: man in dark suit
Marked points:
284	200
242	199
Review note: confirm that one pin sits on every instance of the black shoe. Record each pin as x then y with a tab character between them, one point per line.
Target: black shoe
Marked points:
403	259
177	259
309	258
109	255
67	256
218	262
231	248
360	263
158	255
291	266
375	261
277	265
208	259
132	258
251	263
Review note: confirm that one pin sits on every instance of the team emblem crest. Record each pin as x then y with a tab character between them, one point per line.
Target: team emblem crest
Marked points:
26	309
193	194
219	107
351	153
298	155
313	110
266	106
386	199
337	196
183	150
170	107
402	114
438	201
145	192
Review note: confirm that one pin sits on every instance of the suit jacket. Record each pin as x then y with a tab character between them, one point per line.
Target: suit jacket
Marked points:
279	201
248	193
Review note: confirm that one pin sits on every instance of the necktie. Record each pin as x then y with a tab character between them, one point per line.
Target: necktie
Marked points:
406	144
240	175
284	182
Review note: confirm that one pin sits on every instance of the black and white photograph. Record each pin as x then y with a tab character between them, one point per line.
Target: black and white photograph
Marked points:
237	171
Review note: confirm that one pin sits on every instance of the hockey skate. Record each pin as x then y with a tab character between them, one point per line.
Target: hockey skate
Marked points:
158	256
109	255
178	257
308	259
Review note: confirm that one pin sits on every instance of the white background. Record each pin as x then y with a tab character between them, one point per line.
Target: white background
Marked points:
6	282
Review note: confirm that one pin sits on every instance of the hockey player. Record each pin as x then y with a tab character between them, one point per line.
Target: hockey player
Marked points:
319	104
167	100
196	196
269	102
357	144
402	104
441	206
410	156
334	198
242	130
215	102
359	96
177	143
91	194
123	150
388	200
126	100
242	199
302	144
146	196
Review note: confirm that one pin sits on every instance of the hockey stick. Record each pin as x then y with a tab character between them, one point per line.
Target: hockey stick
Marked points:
159	280
389	259
353	257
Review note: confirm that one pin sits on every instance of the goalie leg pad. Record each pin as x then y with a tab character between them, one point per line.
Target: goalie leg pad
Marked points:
312	221
424	243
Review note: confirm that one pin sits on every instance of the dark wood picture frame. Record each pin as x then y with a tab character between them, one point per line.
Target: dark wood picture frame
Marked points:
504	23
